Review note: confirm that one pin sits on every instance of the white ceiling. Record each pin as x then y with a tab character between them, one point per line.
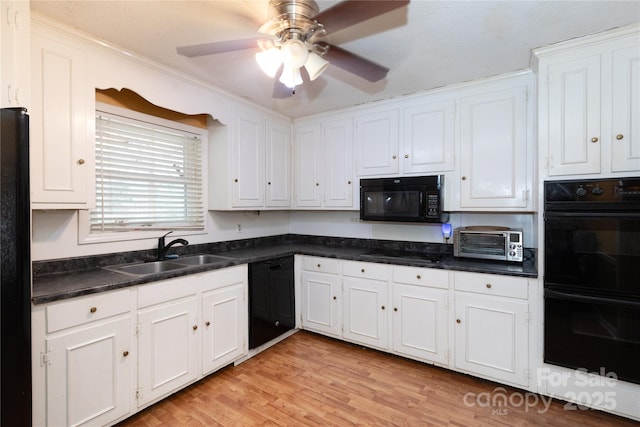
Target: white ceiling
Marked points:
425	44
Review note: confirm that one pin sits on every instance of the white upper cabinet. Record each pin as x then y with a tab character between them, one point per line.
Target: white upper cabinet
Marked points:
495	143
415	137
589	105
308	165
625	149
15	38
428	137
337	139
496	162
62	126
278	163
247	159
250	162
574	116
323	164
377	139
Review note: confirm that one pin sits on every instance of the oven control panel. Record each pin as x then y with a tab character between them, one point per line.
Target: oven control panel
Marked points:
605	192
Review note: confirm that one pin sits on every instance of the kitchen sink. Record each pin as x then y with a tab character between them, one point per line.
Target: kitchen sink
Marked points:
145	268
200	259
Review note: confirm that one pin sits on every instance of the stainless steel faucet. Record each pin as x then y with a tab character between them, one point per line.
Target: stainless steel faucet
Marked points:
162	248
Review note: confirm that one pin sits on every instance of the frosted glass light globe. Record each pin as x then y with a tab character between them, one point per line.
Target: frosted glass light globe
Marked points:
294	53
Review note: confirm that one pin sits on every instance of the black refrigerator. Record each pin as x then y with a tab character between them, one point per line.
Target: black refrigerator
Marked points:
15	269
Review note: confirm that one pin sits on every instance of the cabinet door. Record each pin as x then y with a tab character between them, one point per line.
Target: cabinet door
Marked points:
321	303
337	141
248	159
15	65
625	150
224	313
491	337
574	116
61	126
278	158
493	150
365	312
309	162
168	349
89	374
377	143
429	138
420	322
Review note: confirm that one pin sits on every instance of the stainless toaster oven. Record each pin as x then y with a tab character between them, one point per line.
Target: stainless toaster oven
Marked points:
488	242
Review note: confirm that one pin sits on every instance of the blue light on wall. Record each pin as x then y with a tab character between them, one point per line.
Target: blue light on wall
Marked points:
446	230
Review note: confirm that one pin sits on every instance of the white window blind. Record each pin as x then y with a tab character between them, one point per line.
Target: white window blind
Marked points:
147	177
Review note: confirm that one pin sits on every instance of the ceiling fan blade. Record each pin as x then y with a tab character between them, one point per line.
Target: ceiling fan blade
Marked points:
218	47
355	64
350	12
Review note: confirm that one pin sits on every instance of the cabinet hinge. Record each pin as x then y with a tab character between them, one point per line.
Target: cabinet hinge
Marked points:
45	360
526	374
138	329
138	393
527	317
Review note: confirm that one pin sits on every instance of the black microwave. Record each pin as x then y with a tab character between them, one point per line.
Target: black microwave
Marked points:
404	199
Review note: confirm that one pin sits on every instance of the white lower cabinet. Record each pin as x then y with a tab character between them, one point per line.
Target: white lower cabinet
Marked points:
492	327
89	380
321	290
224	319
420	310
100	358
366	303
365	312
168	338
399	309
82	360
407	311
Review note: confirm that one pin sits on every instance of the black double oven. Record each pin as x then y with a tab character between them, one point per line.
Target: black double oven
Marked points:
592	276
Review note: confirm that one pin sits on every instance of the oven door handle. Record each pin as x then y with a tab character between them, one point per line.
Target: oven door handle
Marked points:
590	299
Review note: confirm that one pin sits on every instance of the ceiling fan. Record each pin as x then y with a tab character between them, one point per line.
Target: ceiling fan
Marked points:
291	40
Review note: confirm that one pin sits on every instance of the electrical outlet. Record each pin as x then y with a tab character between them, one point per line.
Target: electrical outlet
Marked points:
239	228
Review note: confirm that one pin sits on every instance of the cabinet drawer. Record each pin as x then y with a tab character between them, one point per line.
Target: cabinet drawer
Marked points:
322	265
77	311
421	276
491	284
166	290
218	279
366	270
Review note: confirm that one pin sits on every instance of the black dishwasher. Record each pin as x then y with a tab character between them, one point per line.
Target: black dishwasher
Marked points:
271	299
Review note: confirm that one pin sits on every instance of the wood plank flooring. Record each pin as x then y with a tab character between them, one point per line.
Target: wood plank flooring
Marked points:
311	380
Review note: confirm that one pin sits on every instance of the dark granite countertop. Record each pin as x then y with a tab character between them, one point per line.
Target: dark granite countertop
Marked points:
62	279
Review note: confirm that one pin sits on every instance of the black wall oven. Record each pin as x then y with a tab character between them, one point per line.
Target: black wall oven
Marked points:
592	276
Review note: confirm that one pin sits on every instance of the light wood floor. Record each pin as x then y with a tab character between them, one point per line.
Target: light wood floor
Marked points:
312	380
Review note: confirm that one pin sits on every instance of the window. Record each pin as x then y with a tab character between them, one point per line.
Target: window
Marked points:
148	175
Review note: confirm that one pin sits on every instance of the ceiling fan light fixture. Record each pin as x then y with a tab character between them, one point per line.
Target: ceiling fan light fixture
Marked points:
269	61
294	53
290	77
315	65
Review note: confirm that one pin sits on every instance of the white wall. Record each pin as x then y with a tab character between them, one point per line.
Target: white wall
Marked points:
348	224
55	233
